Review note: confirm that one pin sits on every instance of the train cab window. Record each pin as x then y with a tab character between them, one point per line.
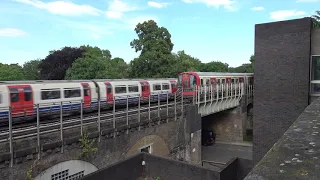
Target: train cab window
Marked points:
133	88
47	94
109	88
173	85
165	86
86	90
156	87
120	89
72	93
27	94
14	95
143	87
201	82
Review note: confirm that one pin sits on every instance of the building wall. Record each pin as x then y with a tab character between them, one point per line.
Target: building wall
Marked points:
281	79
315	41
229	125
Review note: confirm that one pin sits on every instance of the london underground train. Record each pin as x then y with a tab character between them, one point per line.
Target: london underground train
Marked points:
191	81
24	96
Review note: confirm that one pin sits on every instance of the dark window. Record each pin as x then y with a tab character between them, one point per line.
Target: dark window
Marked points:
14	95
27	94
142	87
173	85
121	89
165	86
109	89
156	87
133	88
86	90
146	149
72	93
207	81
201	82
232	81
47	94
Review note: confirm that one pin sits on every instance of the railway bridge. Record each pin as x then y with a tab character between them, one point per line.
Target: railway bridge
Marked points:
73	146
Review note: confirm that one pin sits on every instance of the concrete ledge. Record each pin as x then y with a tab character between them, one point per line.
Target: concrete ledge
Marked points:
296	155
246	144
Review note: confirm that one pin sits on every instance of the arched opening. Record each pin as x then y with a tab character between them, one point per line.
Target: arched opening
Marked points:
72	169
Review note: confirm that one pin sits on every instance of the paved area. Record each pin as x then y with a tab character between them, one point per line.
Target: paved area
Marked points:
222	152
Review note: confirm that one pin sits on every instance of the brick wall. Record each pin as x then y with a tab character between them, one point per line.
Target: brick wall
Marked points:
282	53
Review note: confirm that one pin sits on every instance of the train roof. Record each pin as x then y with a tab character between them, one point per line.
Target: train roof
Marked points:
42	81
221	74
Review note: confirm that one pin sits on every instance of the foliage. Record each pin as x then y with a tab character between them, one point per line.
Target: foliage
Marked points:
158	178
31	70
10	72
316	19
86	145
29	171
214	66
55	65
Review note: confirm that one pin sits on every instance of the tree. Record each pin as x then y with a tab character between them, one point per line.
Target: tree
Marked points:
31	70
55	65
96	52
151	37
117	68
12	72
155	45
316	20
214	66
183	63
88	68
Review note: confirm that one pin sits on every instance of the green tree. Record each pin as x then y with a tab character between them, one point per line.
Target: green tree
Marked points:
214	66
155	44
316	19
12	72
88	68
31	70
117	68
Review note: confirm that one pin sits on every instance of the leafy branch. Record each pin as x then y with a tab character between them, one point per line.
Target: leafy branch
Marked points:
86	145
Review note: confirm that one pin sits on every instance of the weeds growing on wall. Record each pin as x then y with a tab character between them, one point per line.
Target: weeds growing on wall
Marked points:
87	149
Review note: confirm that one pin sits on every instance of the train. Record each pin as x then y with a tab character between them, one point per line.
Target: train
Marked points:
22	99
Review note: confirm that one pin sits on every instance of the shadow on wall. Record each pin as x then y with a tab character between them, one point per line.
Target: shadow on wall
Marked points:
149	166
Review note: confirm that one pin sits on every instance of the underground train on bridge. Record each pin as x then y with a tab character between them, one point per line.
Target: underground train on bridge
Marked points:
27	97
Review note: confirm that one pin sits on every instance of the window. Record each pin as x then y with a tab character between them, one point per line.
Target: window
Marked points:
201	82
86	90
0	97
27	94
142	87
47	94
146	149
133	88
207	81
72	93
60	175
156	87
232	81
173	85
218	81
109	88
165	86
120	89
14	95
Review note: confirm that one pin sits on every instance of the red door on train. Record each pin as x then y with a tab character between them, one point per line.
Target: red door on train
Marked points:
109	92
145	89
21	100
86	95
173	86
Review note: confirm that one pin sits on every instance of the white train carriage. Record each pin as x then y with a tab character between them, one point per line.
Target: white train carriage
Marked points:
23	97
160	89
120	91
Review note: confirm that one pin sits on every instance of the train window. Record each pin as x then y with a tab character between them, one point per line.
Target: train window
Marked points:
173	85
201	82
86	90
109	88
165	86
218	81
147	87
50	94
207	81
237	80
27	94
72	93
14	94
120	89
133	88
232	81
223	81
142	87
156	87
0	97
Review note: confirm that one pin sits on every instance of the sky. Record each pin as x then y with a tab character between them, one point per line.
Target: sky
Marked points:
211	30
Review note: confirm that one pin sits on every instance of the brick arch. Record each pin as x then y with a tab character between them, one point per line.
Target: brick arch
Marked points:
69	168
158	144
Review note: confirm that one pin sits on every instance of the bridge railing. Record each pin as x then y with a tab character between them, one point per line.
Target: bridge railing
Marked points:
131	111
